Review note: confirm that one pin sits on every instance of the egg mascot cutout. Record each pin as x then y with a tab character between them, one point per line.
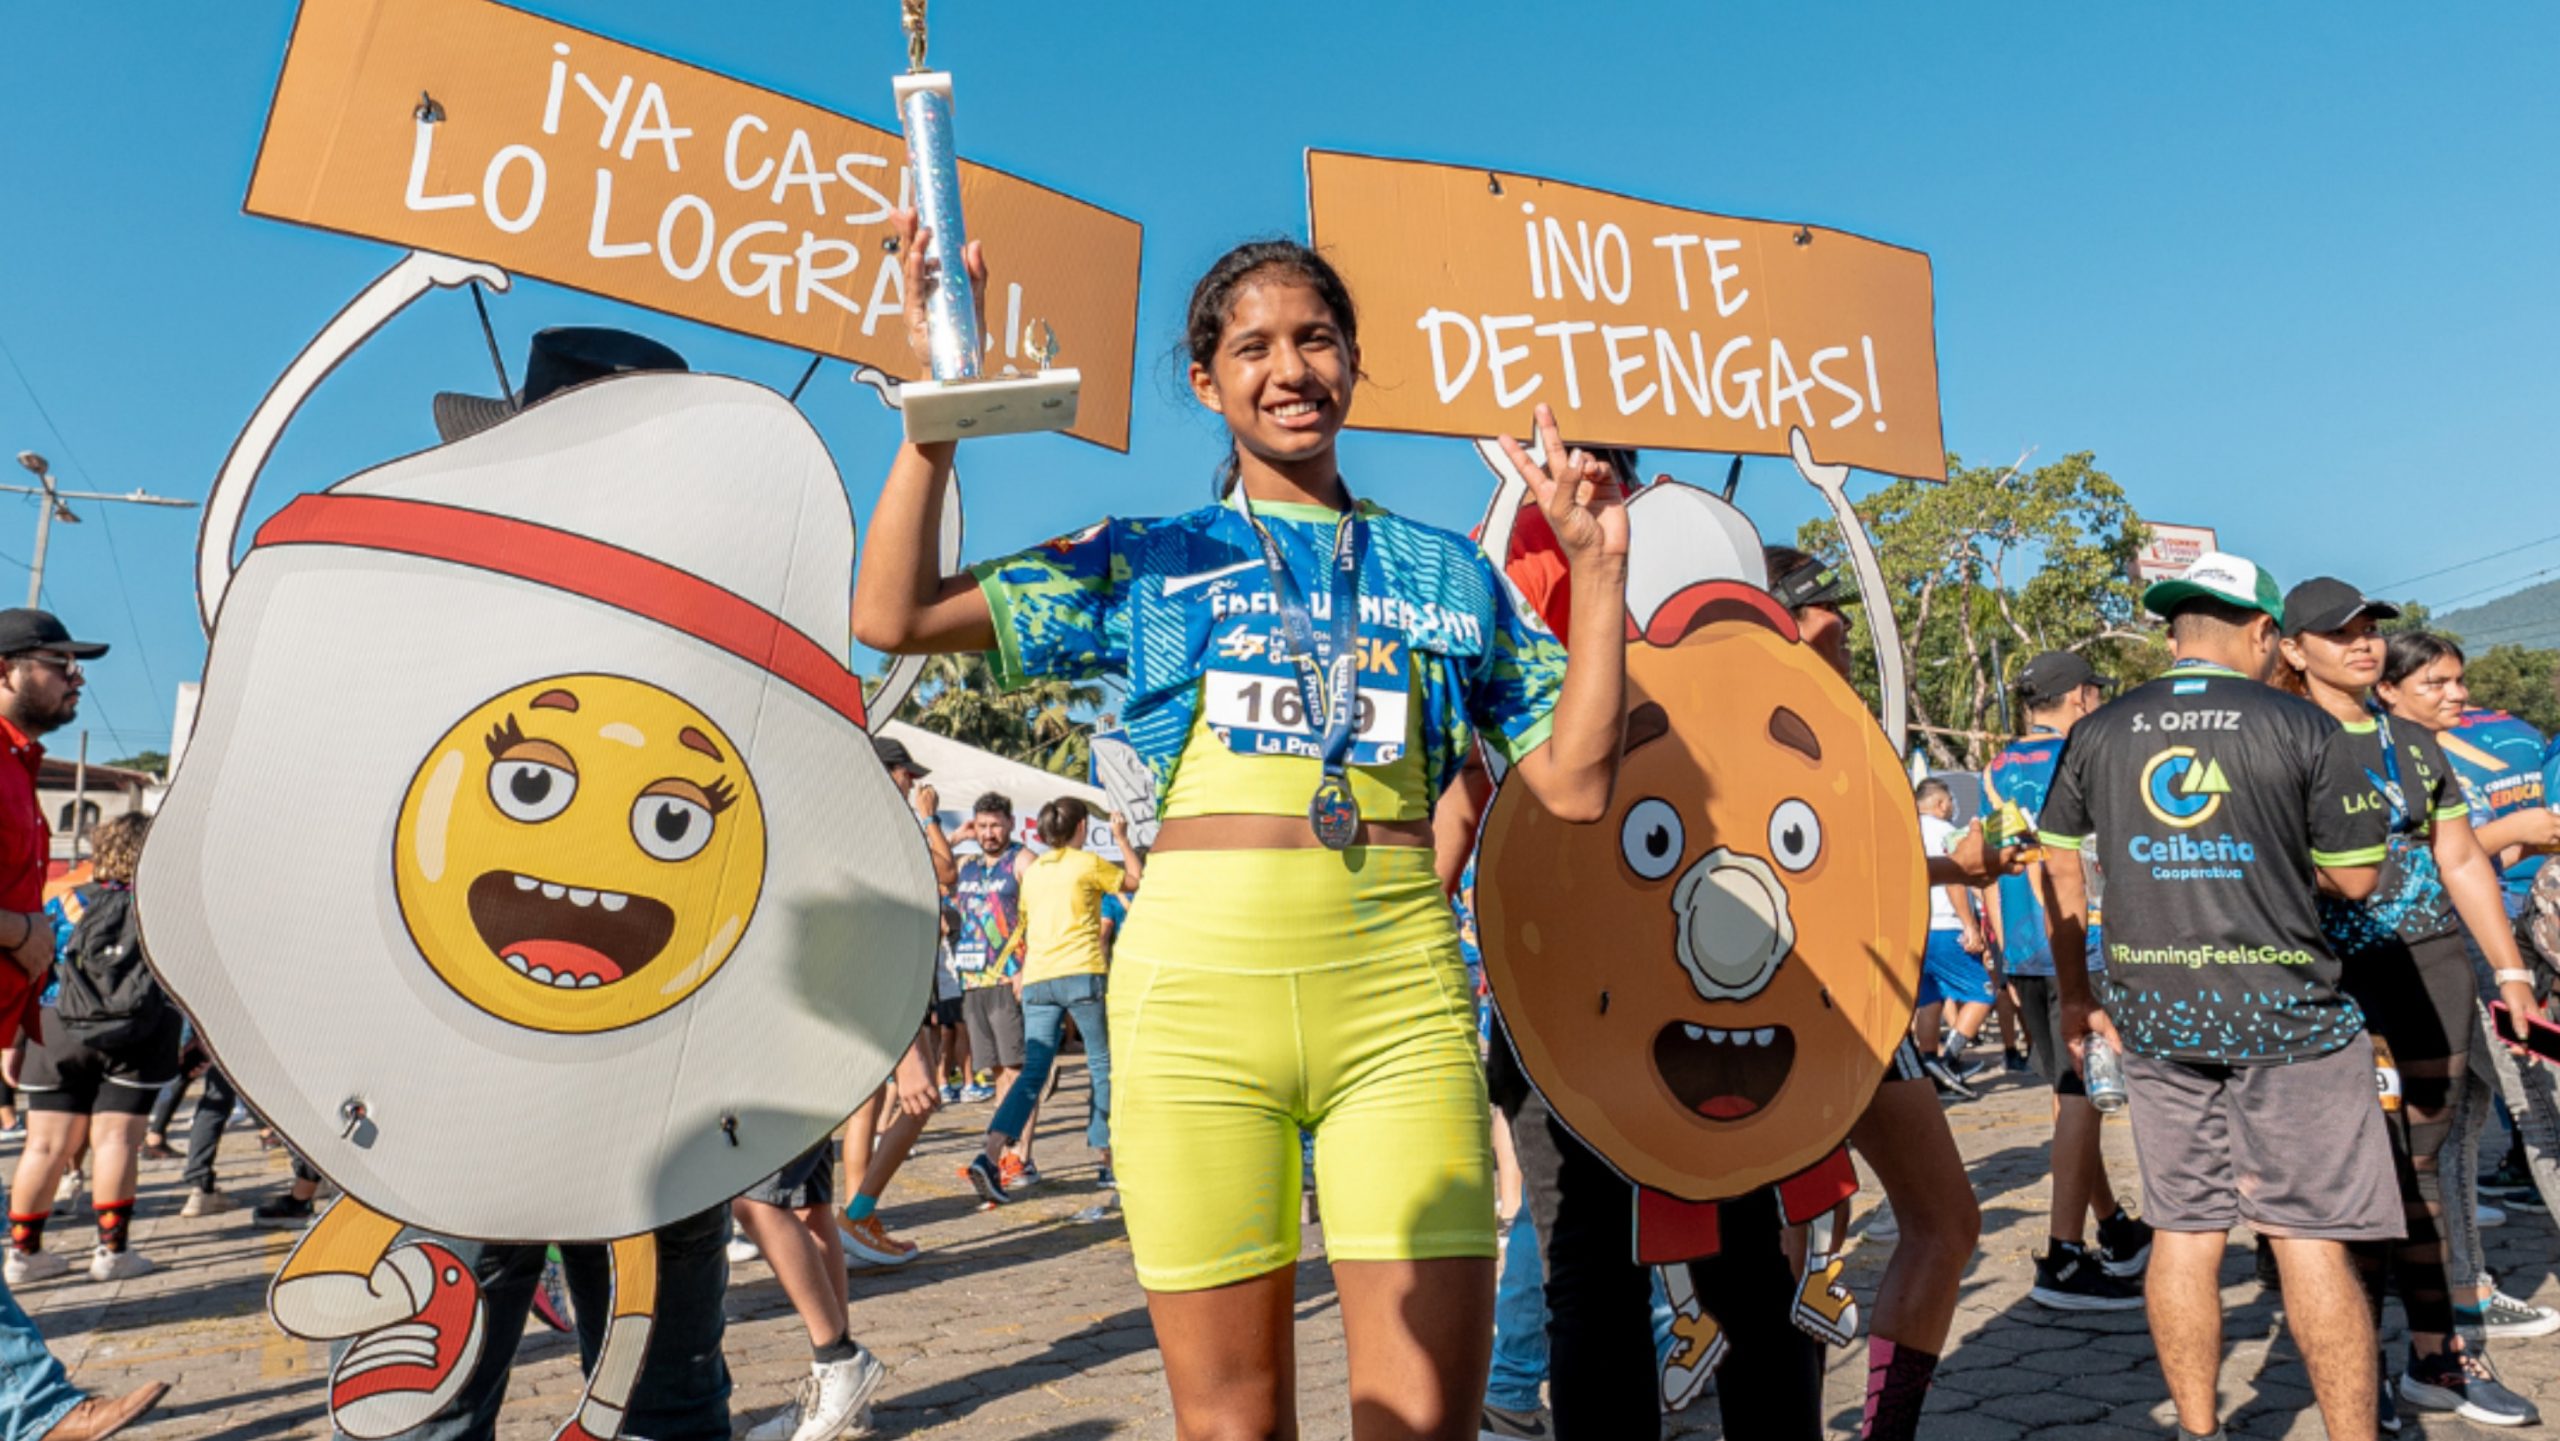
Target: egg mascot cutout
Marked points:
529	867
1708	986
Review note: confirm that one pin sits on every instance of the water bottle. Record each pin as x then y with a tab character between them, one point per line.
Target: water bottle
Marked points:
2102	1070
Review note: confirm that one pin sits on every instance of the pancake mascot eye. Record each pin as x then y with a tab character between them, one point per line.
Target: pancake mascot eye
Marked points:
593	887
1708	987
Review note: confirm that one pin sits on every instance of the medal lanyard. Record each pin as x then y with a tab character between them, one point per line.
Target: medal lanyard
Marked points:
1327	681
2391	769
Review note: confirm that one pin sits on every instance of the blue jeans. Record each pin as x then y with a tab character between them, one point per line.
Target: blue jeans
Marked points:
35	1394
1045	1008
1519	1323
683	1394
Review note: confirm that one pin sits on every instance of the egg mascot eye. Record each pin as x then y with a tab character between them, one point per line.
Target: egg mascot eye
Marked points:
601	868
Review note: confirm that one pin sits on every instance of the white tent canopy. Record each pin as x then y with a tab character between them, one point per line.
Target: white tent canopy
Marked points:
961	773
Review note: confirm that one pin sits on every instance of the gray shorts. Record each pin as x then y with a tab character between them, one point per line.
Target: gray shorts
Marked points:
2040	1016
808	1181
994	1016
2293	1150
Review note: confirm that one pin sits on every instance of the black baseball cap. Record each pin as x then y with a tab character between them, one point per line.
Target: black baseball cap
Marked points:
2052	676
2325	603
560	357
894	758
1811	580
23	630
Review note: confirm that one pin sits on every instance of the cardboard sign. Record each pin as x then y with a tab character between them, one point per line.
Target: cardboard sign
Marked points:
591	164
1483	294
2170	550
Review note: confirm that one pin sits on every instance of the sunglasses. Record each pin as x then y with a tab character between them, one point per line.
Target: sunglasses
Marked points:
70	668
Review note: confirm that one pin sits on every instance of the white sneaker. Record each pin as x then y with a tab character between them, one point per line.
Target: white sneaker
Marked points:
1881	1226
742	1250
119	1265
25	1266
834	1402
2491	1217
208	1203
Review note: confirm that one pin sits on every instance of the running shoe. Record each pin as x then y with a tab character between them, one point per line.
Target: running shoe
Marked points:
977	1091
109	1265
2015	1061
2386	1407
1018	1173
2510	1179
1106	1180
2489	1217
1948	1082
870	1243
282	1211
207	1203
551	1295
831	1403
14	1131
25	1266
1504	1424
742	1250
2124	1244
2068	1278
158	1151
951	1095
2464	1383
988	1179
2504	1318
1881	1226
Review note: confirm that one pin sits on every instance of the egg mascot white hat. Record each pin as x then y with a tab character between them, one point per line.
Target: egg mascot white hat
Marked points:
432	877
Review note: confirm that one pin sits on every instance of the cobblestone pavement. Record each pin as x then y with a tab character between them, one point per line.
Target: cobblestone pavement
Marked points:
1026	1323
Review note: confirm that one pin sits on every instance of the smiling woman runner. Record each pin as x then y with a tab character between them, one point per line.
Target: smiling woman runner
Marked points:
1291	963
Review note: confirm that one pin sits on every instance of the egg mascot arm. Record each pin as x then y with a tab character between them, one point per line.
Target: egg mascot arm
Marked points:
417	273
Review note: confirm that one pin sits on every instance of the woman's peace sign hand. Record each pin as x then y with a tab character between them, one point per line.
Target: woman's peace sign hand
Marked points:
1579	492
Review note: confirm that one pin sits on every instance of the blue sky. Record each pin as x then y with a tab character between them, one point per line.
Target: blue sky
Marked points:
2286	268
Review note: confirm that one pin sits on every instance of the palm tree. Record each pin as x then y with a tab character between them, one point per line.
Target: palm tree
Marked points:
1037	725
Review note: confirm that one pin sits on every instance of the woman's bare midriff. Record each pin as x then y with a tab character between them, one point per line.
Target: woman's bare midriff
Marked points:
1276	833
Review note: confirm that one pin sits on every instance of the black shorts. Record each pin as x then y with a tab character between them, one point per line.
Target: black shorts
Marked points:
808	1182
2418	996
2040	1015
946	1012
995	1027
64	1075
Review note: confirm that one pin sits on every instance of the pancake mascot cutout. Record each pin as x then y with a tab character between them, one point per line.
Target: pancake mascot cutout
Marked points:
1708	986
605	910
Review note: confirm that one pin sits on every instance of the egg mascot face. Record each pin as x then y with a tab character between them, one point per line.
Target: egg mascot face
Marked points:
1708	985
529	866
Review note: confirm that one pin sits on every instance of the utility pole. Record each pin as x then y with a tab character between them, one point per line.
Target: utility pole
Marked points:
53	508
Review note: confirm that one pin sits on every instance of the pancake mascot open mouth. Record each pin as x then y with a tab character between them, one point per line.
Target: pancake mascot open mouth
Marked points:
528	865
1708	986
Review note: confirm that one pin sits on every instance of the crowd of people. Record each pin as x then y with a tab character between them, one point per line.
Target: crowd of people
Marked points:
2311	985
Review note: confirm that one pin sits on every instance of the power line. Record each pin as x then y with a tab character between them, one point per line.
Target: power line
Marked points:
115	559
2467	564
2515	583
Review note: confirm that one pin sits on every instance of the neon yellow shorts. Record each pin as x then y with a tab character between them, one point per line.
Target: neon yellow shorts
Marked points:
1256	993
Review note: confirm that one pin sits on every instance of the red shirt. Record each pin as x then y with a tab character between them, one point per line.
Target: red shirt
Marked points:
26	854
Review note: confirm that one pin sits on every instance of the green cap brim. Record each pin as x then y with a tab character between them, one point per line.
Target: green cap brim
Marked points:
2165	596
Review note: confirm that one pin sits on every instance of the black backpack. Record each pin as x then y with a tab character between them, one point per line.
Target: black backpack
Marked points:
109	998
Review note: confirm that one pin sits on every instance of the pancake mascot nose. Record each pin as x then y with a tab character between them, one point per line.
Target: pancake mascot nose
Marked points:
1734	927
528	865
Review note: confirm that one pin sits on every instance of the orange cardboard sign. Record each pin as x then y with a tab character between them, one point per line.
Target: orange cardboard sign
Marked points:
1484	294
471	129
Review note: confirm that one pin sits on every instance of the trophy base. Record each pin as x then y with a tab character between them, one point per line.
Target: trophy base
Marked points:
937	410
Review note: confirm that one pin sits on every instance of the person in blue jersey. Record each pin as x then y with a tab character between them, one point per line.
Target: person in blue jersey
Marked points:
2405	966
2057	689
1305	673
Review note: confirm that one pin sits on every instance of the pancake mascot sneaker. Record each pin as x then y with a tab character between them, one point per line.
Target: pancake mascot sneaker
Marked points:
1708	987
528	866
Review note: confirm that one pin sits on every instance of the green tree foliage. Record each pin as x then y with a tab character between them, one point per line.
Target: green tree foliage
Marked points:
2519	680
1045	724
2002	561
155	762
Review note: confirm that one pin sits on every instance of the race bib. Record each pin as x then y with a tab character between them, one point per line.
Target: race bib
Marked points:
1251	701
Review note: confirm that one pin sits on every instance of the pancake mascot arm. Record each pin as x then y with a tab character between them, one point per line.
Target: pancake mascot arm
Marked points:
607	880
1708	988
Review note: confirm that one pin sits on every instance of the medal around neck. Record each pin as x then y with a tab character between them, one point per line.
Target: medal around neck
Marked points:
1333	813
960	400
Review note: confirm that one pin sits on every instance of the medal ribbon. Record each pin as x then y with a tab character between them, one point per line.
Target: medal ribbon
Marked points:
1328	681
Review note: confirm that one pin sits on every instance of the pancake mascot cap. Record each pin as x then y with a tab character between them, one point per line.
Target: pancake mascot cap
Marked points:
1708	986
528	865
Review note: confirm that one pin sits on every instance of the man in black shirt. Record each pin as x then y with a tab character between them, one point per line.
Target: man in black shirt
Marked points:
2223	806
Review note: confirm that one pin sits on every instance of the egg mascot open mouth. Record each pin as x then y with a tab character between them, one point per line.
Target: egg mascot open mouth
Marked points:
529	866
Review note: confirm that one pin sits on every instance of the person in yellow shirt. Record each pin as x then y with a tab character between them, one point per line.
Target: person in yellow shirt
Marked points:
1062	976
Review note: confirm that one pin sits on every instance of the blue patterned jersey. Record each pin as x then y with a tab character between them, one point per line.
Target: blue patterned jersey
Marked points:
1148	601
2022	774
2499	759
